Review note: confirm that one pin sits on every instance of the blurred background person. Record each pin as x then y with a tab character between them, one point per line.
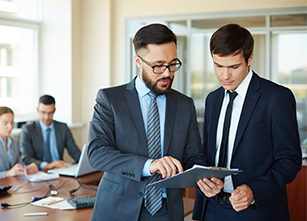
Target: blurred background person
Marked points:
10	161
43	142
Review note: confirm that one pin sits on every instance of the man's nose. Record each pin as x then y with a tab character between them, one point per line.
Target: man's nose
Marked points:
226	73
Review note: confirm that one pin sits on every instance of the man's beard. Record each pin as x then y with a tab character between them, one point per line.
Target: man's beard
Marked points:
153	85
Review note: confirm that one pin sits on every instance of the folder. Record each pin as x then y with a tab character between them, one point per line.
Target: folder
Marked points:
189	178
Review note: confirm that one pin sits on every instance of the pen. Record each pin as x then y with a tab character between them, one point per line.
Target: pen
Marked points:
36	214
48	204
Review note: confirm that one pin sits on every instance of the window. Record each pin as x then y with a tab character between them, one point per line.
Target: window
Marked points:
18	56
291	70
280	52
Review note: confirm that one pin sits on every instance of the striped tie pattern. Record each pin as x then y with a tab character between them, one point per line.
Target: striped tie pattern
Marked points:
153	198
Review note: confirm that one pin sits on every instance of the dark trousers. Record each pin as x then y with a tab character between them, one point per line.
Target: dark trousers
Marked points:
220	212
161	215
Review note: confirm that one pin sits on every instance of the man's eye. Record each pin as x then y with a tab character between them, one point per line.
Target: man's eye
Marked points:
235	67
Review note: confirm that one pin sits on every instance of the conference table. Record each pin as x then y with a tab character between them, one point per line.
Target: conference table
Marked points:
22	191
25	190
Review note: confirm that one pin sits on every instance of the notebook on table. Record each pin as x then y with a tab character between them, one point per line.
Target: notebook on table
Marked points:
81	168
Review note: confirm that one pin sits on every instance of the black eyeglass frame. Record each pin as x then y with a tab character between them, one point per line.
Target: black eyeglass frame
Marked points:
166	66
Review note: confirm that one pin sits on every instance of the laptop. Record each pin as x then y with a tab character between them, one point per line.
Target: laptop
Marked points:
83	167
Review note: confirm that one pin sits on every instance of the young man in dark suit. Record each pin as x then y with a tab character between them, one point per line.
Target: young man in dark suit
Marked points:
120	137
261	139
43	141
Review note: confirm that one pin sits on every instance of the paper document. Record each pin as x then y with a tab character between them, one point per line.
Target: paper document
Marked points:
189	178
40	176
53	203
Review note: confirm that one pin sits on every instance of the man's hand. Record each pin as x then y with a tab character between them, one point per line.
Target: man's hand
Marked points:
241	198
17	169
32	168
166	166
55	164
210	187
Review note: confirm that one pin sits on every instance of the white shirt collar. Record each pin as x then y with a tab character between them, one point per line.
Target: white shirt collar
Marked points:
242	88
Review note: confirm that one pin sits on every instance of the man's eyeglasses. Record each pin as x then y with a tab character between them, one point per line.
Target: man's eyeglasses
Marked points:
159	69
46	113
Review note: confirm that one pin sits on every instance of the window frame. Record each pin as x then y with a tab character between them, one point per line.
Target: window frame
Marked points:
267	30
35	26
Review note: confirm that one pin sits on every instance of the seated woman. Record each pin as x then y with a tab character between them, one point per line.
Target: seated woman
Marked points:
10	160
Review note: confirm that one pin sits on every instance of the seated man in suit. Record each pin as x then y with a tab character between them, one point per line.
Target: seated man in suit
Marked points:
43	141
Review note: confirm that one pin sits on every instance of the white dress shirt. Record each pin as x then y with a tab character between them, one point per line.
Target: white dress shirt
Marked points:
235	117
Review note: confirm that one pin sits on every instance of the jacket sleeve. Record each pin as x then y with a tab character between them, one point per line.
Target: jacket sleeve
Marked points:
285	149
103	151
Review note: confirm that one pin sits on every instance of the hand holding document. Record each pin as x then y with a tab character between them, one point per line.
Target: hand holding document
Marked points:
189	178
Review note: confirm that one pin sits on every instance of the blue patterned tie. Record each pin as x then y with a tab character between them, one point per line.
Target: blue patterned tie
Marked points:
153	198
47	154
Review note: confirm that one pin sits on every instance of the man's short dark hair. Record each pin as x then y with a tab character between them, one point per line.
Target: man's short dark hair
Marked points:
232	39
153	34
46	99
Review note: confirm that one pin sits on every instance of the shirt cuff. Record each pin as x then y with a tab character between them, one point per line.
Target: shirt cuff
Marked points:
43	165
146	168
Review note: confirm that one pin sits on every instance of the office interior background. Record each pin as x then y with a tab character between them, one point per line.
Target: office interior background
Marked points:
72	48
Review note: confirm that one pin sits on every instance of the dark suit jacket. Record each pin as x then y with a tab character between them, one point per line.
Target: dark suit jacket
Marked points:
266	148
117	145
31	142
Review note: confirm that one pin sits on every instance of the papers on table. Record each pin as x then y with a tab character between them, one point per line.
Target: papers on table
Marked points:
40	176
189	178
53	203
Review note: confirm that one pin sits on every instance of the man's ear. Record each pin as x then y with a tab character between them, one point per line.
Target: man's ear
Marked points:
250	59
137	61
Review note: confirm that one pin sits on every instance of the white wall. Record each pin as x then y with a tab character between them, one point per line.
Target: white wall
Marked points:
55	56
92	69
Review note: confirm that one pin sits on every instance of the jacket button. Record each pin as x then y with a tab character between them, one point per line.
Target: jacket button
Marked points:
140	194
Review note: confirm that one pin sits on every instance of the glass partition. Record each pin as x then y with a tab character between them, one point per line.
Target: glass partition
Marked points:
291	71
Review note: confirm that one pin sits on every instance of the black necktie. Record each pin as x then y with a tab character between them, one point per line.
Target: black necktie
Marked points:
224	143
47	154
153	197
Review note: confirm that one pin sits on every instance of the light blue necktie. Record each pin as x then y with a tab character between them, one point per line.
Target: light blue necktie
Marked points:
153	198
47	154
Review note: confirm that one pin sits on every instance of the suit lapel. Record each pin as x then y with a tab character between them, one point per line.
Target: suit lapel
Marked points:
4	158
251	99
57	138
215	114
171	105
39	140
135	111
